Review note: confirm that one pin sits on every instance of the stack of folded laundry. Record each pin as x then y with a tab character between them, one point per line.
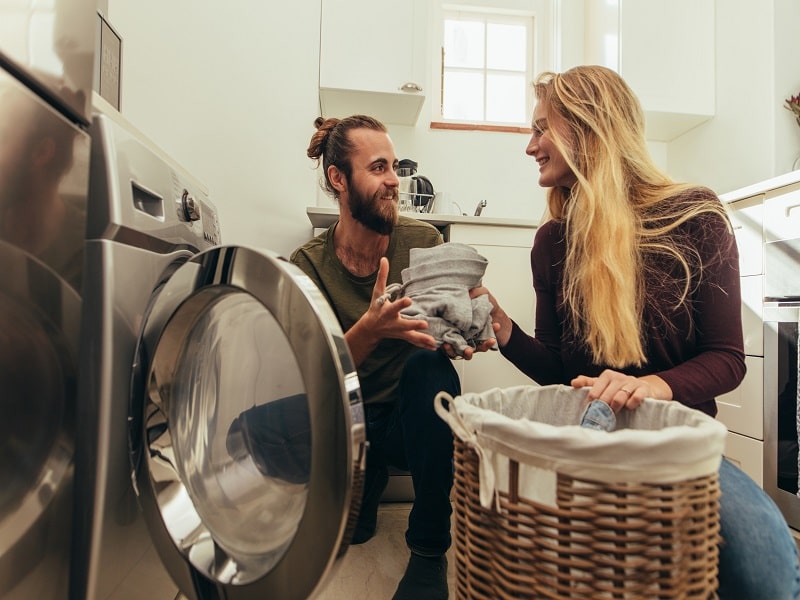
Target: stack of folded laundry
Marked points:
438	281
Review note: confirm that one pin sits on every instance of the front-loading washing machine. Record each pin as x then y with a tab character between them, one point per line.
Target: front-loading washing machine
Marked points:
220	427
45	77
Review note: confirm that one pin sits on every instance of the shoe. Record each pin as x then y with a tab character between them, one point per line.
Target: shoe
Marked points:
368	512
425	579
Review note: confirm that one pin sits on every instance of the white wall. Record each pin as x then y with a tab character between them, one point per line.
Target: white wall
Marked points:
466	167
470	166
751	137
232	94
787	83
230	90
733	149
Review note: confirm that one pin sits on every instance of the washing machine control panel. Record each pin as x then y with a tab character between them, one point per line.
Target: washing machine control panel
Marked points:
211	232
191	209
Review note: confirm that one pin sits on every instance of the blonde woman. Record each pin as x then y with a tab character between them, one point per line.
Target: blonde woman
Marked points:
637	295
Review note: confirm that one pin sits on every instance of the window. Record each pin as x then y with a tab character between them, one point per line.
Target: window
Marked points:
487	68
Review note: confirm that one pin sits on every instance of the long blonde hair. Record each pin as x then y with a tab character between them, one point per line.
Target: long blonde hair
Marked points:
617	212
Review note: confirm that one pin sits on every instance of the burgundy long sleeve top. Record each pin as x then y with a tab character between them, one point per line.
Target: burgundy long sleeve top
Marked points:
697	348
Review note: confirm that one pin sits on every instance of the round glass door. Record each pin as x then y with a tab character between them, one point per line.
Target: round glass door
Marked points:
253	434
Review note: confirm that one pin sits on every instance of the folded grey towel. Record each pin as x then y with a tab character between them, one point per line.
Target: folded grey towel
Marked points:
438	281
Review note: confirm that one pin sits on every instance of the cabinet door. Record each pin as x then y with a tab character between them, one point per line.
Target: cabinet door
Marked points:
685	30
747	218
753	314
782	212
622	35
372	45
747	454
742	410
508	277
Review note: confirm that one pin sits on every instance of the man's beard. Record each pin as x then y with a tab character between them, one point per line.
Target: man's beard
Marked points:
374	212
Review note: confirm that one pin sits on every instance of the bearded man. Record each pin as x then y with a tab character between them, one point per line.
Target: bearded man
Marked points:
399	367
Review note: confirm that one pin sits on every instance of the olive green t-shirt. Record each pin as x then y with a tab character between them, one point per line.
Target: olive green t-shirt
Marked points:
350	296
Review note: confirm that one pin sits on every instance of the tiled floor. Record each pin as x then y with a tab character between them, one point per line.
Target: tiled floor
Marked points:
373	570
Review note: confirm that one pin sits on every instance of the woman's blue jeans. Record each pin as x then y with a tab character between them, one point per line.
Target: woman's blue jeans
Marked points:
409	435
758	555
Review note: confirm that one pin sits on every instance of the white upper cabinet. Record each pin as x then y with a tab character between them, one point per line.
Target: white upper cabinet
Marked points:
665	50
373	58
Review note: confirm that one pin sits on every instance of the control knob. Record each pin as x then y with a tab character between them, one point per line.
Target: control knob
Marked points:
188	208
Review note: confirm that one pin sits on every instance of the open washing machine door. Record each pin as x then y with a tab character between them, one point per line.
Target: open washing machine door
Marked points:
247	428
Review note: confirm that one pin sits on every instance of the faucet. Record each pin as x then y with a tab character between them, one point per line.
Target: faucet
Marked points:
480	207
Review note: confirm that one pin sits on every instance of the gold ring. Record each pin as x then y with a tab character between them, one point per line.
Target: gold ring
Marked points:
626	391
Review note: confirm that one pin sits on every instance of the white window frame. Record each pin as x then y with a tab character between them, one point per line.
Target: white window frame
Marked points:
487	15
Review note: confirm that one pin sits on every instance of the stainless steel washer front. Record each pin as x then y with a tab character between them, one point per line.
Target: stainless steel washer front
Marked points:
252	434
220	433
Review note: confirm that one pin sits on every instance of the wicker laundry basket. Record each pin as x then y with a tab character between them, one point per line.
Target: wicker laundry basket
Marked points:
547	509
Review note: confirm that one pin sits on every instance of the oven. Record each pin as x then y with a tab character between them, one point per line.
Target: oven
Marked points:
780	407
781	366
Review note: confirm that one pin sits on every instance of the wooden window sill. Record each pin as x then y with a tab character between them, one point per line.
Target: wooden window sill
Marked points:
479	127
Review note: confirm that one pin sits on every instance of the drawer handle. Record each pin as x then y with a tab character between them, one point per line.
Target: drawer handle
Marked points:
411	87
792	209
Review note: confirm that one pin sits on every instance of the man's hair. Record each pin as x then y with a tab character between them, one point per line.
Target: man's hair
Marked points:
331	143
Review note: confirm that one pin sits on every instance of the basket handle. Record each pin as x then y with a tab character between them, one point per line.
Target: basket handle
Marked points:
452	418
486	475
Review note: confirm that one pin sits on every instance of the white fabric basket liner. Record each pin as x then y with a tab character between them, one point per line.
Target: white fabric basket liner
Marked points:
538	426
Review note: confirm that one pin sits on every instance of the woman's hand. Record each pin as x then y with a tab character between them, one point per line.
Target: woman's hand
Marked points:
619	390
483	346
501	322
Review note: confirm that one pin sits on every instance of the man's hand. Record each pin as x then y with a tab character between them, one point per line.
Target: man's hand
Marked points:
383	320
469	352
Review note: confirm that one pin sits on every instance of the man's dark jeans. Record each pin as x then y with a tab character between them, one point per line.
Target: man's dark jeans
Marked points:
409	435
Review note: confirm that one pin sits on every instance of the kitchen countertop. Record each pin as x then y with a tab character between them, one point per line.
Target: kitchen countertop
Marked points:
324	217
762	186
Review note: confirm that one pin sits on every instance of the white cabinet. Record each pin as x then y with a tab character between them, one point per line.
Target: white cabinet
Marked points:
753	314
747	454
747	219
373	58
508	277
782	211
742	410
665	51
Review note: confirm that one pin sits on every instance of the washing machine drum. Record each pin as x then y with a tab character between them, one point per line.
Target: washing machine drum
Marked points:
247	429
